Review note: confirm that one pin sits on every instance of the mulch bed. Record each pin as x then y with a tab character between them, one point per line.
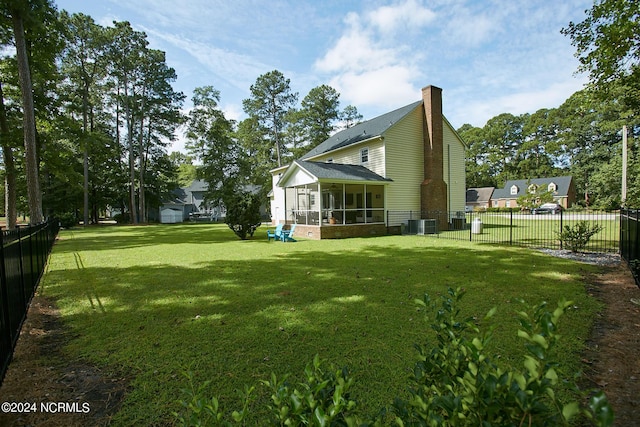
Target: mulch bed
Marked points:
41	372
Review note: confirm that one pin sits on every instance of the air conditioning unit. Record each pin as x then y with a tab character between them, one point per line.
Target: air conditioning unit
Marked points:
422	226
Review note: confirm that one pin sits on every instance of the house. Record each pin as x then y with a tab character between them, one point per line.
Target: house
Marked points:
188	203
478	198
366	179
562	188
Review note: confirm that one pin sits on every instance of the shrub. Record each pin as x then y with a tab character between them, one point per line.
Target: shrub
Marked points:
577	237
454	383
322	400
122	218
243	213
67	220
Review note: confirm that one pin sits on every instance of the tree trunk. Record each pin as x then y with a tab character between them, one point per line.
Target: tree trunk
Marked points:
9	168
132	165
29	122
85	157
141	201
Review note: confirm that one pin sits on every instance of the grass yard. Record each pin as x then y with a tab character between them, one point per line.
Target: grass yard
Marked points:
151	302
540	230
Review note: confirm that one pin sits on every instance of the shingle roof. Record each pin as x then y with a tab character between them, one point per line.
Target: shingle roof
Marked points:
562	183
360	132
480	194
340	172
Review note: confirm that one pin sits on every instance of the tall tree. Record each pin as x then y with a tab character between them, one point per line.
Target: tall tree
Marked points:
589	138
503	135
608	41
11	212
84	64
320	113
350	116
126	49
271	99
183	164
158	115
479	171
535	155
20	13
210	140
256	160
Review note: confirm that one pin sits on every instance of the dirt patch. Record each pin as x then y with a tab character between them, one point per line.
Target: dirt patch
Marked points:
55	390
612	359
41	373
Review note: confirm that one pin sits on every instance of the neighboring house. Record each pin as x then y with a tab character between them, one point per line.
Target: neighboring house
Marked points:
562	188
188	203
410	159
479	198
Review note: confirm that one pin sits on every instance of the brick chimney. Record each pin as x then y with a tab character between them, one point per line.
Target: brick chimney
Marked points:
433	188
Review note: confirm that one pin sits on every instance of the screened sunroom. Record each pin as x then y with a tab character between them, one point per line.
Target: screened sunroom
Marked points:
335	203
319	194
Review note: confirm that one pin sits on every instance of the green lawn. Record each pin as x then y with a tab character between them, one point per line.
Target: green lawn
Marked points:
150	302
523	229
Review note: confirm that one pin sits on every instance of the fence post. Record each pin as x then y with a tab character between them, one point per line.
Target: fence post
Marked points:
561	223
471	227
635	249
510	227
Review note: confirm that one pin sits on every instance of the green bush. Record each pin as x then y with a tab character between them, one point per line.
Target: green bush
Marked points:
503	209
67	220
243	213
122	218
454	383
577	237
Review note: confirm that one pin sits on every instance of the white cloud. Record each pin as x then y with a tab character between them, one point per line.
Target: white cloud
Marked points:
387	87
400	17
237	69
370	67
355	51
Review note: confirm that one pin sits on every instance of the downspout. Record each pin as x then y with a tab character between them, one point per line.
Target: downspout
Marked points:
449	178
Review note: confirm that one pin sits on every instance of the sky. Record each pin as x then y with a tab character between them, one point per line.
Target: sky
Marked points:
488	56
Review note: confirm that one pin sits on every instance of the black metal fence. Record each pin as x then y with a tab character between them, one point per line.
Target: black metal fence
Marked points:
510	228
23	255
629	240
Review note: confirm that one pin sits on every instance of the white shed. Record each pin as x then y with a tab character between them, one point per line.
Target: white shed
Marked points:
170	216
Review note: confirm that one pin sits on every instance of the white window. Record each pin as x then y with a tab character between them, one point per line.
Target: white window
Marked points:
514	190
552	188
532	189
364	155
507	204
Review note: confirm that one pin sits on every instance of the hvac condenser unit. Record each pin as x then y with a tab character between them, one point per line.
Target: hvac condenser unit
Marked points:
422	226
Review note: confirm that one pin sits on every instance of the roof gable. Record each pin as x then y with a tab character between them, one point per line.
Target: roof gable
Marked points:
480	194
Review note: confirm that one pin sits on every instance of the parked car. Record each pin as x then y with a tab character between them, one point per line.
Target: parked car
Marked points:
552	208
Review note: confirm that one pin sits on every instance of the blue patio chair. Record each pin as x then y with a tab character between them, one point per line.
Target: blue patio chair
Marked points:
276	234
287	235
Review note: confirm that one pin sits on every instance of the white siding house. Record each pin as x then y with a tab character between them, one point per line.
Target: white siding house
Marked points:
410	159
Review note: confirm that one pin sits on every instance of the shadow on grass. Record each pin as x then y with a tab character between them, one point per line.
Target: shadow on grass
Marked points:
239	320
97	238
